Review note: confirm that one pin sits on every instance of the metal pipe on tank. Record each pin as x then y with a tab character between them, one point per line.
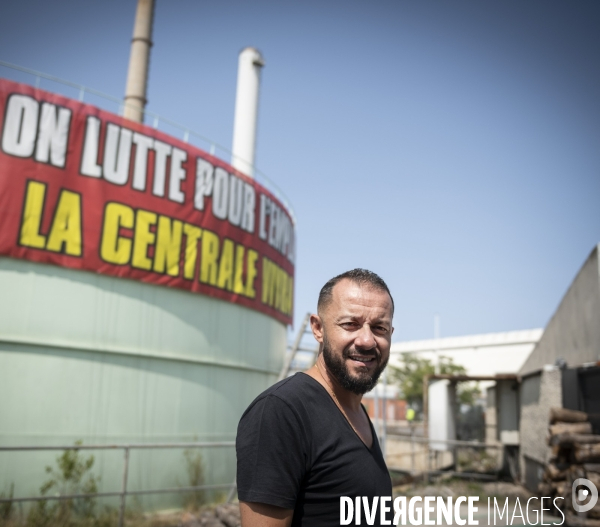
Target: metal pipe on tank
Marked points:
137	76
246	110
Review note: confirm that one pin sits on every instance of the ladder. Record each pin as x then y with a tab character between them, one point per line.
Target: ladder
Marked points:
297	348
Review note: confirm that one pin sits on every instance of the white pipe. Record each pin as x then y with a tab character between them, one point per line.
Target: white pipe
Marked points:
137	76
246	110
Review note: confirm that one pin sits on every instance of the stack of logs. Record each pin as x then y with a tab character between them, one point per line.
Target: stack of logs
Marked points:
575	453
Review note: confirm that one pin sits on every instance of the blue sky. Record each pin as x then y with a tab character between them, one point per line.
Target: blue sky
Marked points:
451	146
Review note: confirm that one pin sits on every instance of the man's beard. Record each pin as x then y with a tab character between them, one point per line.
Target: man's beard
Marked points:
337	366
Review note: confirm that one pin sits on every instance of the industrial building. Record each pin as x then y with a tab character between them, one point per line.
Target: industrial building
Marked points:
147	285
563	370
530	376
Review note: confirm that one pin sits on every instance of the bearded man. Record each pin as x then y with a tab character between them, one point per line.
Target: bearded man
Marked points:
307	440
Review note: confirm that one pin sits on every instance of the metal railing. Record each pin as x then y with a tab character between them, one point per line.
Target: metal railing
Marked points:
123	493
428	470
158	122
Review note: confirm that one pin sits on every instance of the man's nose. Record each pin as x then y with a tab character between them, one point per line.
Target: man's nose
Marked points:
365	339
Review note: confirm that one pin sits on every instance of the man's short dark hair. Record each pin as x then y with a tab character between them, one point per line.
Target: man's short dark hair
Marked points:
358	276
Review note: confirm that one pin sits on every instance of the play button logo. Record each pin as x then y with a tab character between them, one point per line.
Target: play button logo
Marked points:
580	495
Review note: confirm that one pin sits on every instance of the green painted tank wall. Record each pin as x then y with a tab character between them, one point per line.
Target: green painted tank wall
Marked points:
107	360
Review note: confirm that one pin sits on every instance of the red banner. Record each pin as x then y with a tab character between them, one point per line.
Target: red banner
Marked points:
86	189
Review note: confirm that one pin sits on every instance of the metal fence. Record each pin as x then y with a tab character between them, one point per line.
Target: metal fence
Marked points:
417	457
156	121
123	493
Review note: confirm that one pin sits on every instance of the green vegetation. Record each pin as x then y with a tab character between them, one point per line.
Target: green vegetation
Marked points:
6	508
72	475
409	377
468	392
195	470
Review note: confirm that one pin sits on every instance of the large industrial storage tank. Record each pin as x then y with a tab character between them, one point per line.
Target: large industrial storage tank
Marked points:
145	292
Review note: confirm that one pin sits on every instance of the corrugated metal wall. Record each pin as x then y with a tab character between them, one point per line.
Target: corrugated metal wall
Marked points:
106	360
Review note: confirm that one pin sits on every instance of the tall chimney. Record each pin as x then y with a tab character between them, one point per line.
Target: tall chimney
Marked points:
246	111
137	76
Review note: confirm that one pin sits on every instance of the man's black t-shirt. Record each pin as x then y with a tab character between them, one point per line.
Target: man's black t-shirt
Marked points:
296	450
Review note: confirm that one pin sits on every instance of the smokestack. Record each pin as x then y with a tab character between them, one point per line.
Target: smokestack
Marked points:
137	76
246	110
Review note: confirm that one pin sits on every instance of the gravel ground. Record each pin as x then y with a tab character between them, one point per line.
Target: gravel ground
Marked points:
220	516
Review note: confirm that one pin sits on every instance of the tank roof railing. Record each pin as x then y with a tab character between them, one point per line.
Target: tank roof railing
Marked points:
156	121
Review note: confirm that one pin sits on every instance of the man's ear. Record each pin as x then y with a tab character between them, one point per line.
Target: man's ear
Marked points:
316	325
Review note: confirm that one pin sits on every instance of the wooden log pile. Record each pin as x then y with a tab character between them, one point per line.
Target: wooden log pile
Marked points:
575	453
